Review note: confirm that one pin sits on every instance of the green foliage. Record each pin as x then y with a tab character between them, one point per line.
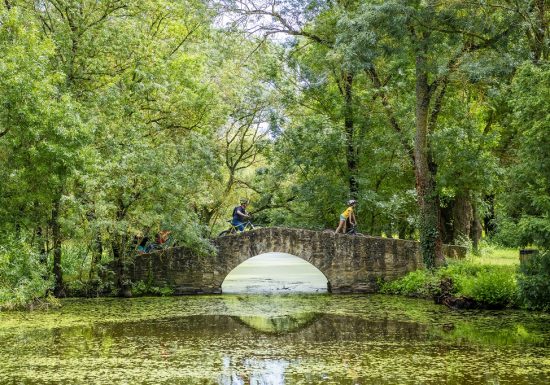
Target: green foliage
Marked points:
142	288
492	287
106	127
312	180
421	283
488	285
508	234
534	281
526	201
24	280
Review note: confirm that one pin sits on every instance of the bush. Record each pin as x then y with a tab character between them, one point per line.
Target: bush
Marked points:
140	288
417	283
507	234
24	280
458	269
534	281
489	286
492	287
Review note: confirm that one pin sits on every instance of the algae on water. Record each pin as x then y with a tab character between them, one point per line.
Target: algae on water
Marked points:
290	340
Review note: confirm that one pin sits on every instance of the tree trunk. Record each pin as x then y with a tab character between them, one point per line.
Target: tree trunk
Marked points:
425	169
97	252
457	219
351	151
42	250
489	218
475	230
97	244
121	276
59	290
463	216
446	222
537	35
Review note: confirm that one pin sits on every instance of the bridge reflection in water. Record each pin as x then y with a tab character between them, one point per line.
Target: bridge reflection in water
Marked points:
275	273
283	317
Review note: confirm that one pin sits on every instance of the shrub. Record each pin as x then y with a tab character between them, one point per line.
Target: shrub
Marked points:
23	278
416	283
492	287
534	281
488	285
459	269
140	288
507	234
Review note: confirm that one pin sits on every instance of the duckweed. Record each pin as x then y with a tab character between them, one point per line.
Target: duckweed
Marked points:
278	340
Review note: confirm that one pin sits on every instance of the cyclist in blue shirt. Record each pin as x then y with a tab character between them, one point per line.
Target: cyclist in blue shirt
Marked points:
240	215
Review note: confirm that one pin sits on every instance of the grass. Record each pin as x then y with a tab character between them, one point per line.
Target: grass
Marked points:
496	256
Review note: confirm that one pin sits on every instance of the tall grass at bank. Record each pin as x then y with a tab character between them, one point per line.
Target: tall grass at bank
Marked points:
488	278
489	285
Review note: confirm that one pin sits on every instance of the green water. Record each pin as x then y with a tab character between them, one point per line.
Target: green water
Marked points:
259	339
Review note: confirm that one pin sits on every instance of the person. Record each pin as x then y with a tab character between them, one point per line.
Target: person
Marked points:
142	246
348	214
240	215
161	238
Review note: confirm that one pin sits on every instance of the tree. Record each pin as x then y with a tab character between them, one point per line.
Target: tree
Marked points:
435	41
42	133
526	202
315	23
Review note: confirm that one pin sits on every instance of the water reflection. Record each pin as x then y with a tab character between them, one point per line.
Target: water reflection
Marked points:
276	313
273	340
278	325
253	372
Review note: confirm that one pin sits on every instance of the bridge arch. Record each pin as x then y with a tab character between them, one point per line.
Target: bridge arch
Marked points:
233	250
236	262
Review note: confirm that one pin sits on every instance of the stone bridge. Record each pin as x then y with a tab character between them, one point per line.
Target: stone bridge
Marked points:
351	263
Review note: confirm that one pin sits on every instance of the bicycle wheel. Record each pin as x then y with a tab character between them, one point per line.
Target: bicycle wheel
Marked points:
225	232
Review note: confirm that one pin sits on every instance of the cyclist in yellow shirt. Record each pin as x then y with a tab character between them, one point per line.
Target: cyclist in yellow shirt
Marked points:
347	214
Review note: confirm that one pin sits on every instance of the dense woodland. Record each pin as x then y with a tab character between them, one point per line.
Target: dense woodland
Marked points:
121	118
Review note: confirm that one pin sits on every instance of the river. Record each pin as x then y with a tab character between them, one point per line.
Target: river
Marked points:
272	339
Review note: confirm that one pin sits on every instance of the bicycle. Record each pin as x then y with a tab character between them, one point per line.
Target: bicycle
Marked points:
352	230
235	229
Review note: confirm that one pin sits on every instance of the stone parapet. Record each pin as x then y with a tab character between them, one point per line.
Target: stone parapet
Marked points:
351	263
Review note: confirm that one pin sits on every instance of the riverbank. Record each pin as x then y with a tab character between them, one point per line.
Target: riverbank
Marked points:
493	279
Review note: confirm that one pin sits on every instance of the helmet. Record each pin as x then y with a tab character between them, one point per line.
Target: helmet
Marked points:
352	202
244	201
